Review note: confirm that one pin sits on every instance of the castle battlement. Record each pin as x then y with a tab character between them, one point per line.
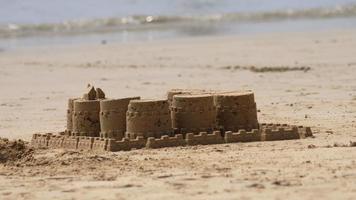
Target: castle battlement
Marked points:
204	138
242	136
165	141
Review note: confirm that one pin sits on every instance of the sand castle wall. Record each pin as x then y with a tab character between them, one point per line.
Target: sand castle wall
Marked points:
55	141
270	133
39	140
204	138
148	118
127	144
113	117
165	141
86	118
243	136
106	144
70	142
191	139
85	143
236	111
100	144
193	113
265	133
280	134
303	131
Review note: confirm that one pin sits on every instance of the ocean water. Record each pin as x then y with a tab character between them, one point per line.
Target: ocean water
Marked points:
43	22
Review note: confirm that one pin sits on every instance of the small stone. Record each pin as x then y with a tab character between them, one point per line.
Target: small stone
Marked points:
256	185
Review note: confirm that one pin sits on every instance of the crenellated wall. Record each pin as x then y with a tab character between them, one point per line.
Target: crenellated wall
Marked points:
278	132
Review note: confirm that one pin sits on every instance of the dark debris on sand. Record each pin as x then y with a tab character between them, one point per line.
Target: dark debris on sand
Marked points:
267	68
14	150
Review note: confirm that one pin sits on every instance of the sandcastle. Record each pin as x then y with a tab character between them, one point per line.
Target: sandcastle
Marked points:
185	118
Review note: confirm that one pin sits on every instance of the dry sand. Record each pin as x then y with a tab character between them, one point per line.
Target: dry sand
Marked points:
35	84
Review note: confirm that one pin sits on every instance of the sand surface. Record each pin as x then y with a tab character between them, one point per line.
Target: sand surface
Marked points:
35	84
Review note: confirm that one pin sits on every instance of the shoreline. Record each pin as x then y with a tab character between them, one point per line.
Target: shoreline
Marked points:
178	31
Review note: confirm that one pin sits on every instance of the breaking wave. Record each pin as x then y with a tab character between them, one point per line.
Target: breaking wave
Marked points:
141	22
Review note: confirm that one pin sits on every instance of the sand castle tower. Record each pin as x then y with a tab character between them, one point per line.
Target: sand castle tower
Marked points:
86	118
85	113
148	118
113	117
193	113
236	110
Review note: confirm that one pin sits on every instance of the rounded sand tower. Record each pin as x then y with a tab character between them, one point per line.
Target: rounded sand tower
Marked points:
86	118
193	113
236	110
148	118
113	117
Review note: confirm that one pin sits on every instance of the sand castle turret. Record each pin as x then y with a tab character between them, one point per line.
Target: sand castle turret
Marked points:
86	118
85	113
236	110
193	113
113	117
148	118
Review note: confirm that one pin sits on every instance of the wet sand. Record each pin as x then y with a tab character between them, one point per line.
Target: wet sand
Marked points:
36	82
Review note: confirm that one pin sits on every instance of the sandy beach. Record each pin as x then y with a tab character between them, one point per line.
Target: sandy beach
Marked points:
36	83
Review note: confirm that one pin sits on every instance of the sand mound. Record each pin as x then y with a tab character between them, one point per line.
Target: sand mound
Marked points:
13	150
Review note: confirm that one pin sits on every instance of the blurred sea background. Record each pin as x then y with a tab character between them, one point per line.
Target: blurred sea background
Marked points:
26	23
